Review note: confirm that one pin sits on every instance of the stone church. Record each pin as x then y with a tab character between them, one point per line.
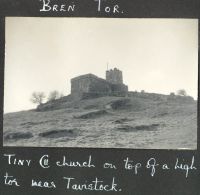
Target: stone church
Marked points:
89	85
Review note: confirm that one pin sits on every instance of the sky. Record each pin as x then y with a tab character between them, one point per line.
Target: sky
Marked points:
43	54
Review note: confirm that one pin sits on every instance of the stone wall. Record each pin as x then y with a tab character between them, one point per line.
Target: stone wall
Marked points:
89	83
119	88
162	97
100	86
80	84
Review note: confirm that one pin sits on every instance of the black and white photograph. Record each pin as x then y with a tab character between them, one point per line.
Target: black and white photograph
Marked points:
101	82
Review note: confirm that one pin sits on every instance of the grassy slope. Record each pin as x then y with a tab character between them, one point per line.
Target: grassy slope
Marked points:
138	123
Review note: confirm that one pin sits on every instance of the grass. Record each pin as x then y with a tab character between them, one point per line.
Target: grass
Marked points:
108	122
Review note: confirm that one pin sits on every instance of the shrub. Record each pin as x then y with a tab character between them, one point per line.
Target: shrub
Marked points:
37	97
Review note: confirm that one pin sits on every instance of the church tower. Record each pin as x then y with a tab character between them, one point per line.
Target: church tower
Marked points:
114	76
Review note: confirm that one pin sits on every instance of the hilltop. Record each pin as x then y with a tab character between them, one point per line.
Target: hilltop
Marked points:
138	120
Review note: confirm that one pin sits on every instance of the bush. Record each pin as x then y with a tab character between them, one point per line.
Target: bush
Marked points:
181	92
54	95
37	97
172	94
